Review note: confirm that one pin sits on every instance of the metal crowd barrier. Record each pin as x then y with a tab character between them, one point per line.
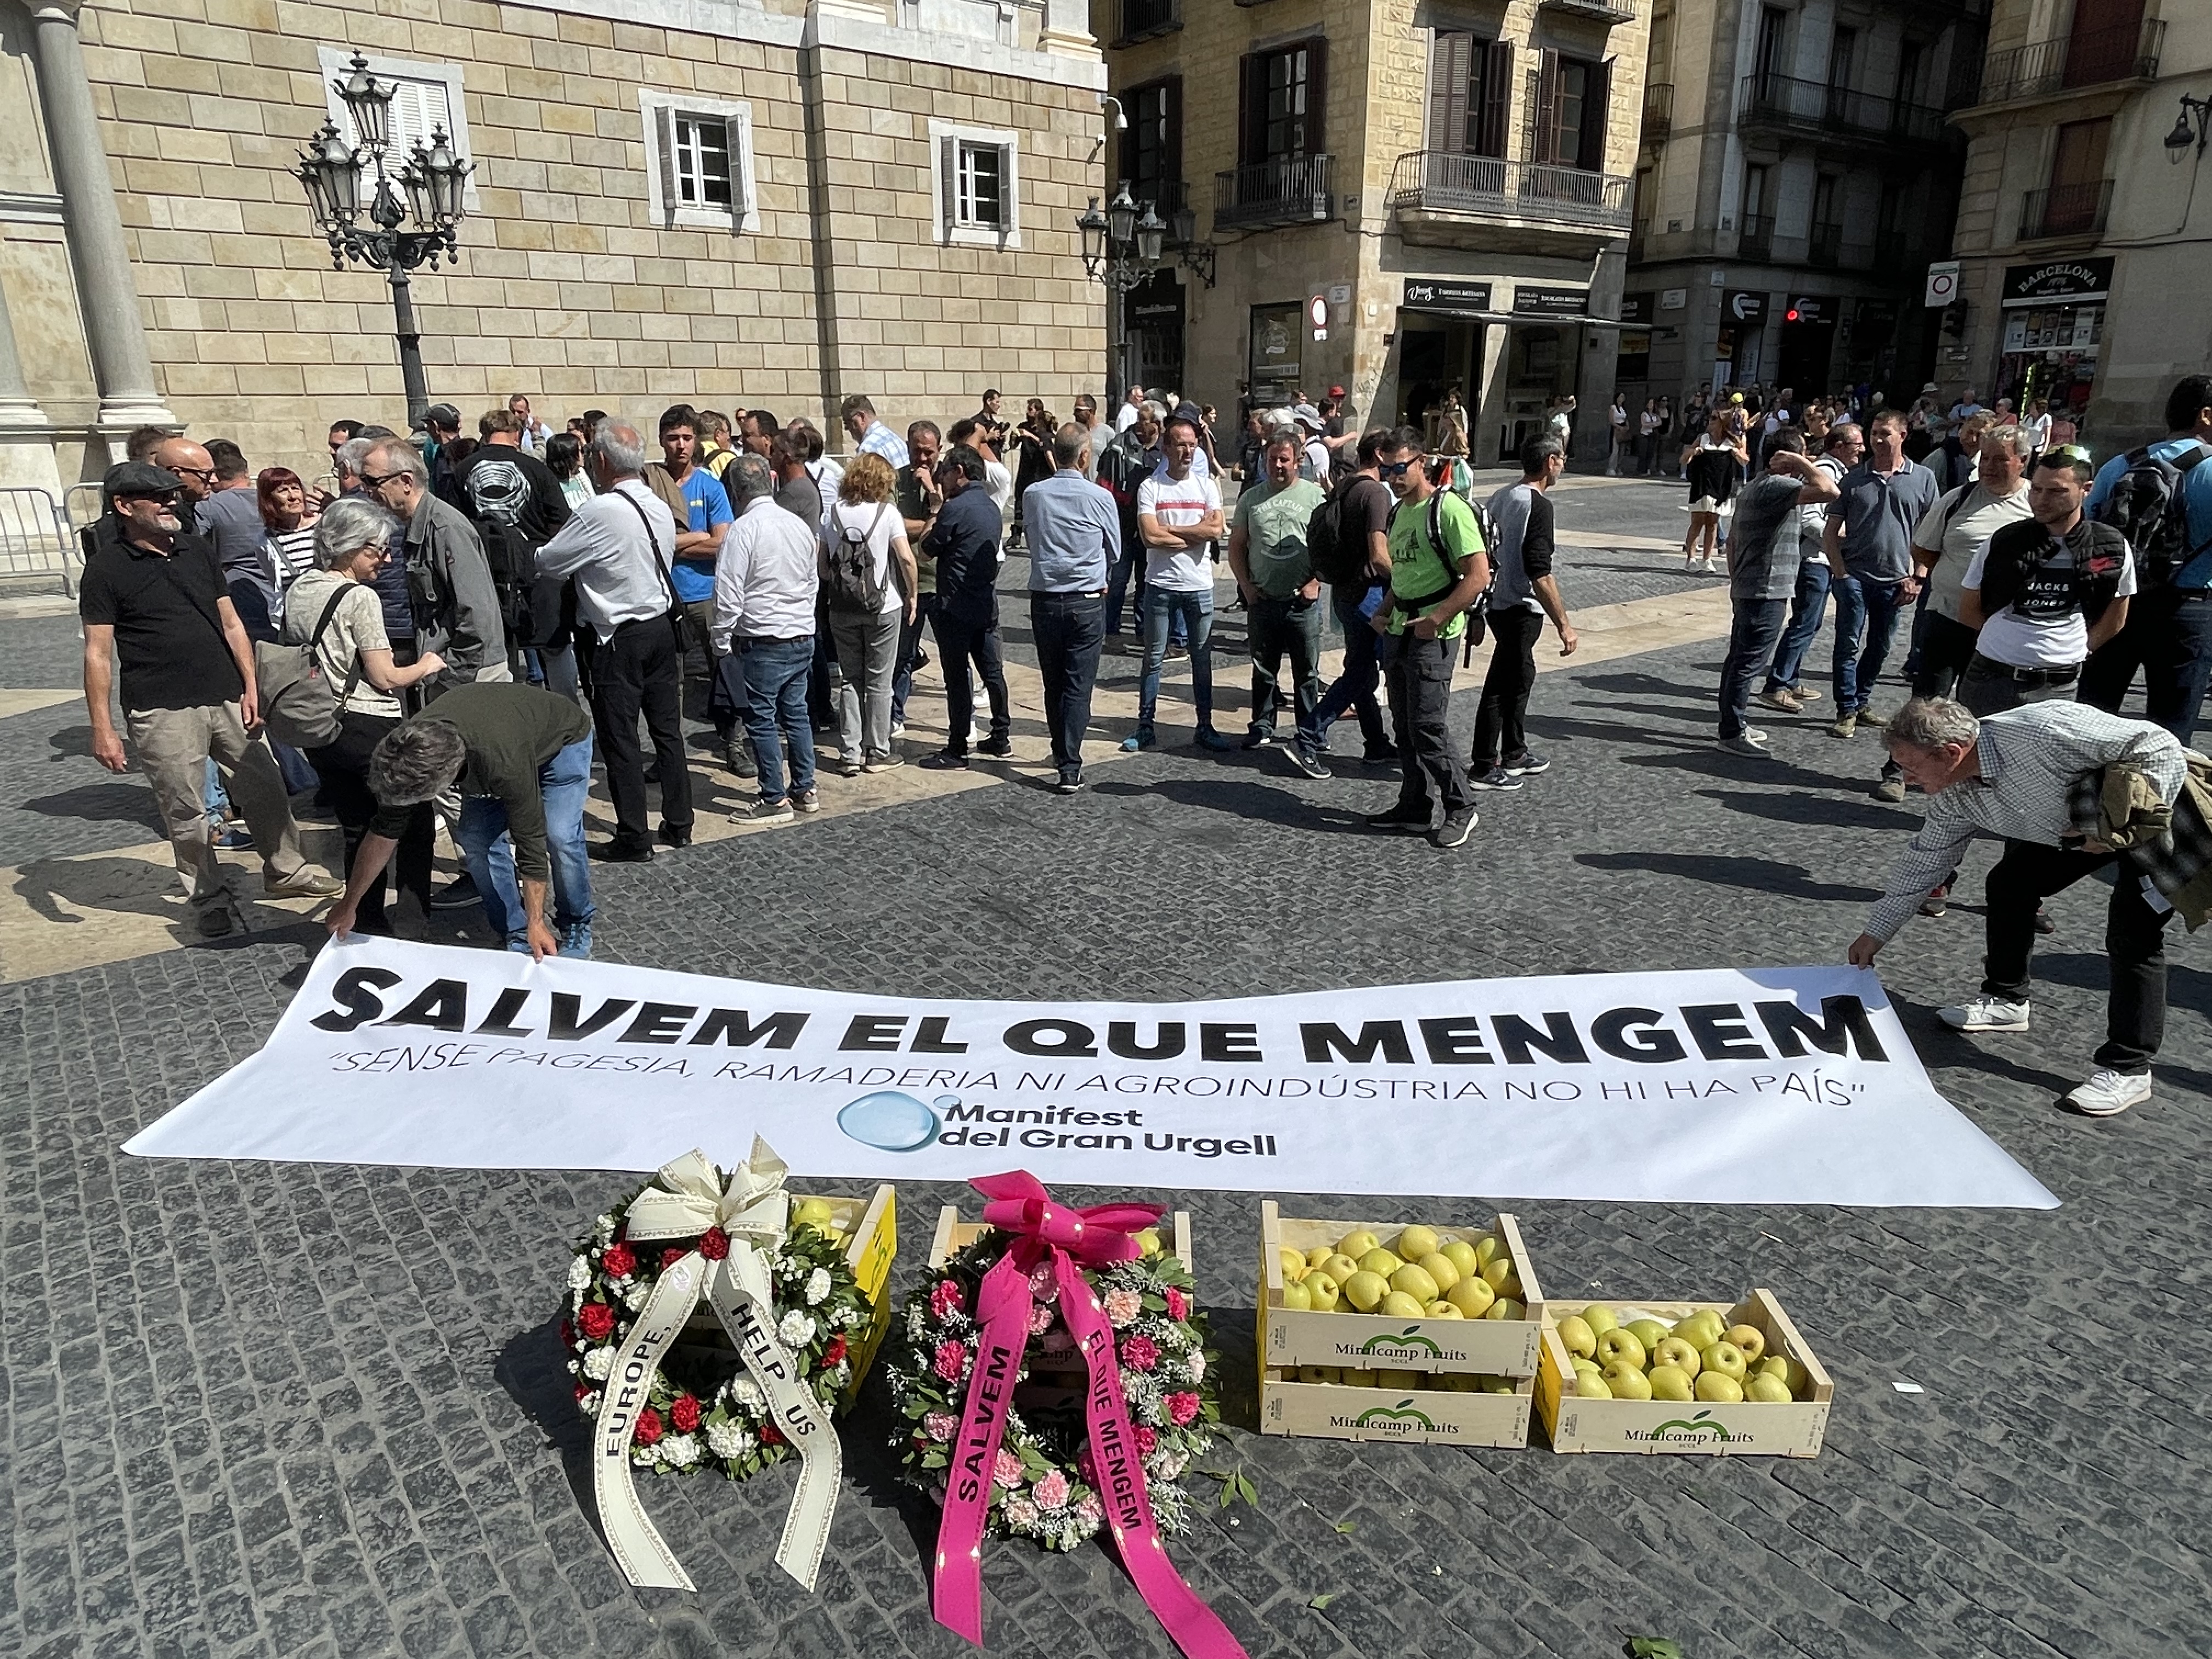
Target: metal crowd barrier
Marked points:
37	536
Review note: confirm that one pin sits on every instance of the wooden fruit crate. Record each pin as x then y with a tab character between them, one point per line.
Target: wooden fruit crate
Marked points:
1421	1417
1752	1428
1291	1337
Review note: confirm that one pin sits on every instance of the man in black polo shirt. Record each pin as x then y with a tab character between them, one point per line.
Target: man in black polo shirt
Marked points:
153	600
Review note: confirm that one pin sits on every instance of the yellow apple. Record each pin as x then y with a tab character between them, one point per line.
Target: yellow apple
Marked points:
1591	1385
1726	1359
1337	1267
1669	1383
1414	1243
1148	1242
1496	1384
1506	1307
1719	1389
1397	1379
1297	1297
1486	1246
1294	1265
1599	1318
1701	1329
1791	1372
1768	1388
1502	1276
1322	1292
1441	1309
1673	1350
1472	1297
1319	1254
814	1213
1650	1331
1620	1347
1399	1305
1461	1256
1416	1282
1627	1381
1380	1260
1749	1338
1576	1333
1442	1269
1365	1291
1357	1243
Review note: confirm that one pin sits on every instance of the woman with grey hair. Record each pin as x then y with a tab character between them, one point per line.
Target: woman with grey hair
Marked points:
334	607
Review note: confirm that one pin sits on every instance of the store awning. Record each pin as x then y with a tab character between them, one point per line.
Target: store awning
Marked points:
1510	317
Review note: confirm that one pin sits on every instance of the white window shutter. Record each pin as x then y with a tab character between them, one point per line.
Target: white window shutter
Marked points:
663	160
948	169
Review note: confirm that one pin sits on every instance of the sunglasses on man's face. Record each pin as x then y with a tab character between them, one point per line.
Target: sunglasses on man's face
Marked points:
202	474
166	498
1399	469
377	480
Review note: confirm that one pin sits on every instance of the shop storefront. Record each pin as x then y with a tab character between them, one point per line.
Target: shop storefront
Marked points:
2053	330
1155	317
1440	339
1271	363
1737	348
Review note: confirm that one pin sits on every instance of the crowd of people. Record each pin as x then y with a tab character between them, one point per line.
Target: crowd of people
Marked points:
488	619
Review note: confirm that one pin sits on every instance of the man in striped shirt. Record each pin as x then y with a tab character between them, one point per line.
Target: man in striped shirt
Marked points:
2013	775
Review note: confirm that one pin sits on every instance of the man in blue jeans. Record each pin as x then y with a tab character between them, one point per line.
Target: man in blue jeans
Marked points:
1869	547
766	580
1074	533
1178	517
1764	552
1358	583
521	758
1839	453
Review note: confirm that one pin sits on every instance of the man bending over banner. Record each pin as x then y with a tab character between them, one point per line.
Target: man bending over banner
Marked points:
2069	789
522	758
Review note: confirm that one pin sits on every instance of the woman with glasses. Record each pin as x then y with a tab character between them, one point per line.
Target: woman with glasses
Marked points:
290	520
334	607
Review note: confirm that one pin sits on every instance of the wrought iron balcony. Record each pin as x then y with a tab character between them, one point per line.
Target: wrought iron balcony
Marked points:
1824	245
1145	20
1491	187
2065	62
1292	190
1786	103
2065	211
1603	11
1658	110
1755	240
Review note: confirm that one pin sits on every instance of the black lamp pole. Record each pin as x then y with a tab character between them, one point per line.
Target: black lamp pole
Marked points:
434	179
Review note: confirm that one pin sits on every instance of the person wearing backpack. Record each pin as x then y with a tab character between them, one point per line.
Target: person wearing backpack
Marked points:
1438	569
1348	539
2160	497
334	611
868	581
152	600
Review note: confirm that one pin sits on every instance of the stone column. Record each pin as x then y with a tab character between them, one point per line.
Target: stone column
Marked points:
1066	31
114	332
17	407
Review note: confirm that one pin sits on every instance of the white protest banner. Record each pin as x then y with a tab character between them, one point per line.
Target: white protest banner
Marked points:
1790	1085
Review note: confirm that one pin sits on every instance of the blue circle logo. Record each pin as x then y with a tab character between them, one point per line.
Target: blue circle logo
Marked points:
891	1122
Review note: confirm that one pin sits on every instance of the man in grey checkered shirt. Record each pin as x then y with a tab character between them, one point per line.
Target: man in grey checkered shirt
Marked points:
2015	776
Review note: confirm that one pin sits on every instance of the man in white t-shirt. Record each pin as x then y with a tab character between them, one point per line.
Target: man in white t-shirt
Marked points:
1178	515
998	483
2045	592
1131	401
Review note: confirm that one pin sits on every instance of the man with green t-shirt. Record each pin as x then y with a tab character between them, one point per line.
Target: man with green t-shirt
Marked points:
1438	568
1282	598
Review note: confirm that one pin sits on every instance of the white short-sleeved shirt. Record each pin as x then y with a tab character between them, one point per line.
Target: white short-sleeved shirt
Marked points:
2030	641
1963	538
357	625
888	527
1178	505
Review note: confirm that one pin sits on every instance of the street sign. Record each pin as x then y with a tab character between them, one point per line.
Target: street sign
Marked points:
1317	315
1942	283
1340	295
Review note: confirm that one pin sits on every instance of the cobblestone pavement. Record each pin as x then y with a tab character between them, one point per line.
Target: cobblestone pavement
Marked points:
318	1411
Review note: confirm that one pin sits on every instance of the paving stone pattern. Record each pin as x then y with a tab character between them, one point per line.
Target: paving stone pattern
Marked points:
306	1411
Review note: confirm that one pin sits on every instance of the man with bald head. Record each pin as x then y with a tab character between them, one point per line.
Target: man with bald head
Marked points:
195	470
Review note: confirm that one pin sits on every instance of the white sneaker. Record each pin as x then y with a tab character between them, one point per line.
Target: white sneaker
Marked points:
1987	1014
2107	1094
1756	733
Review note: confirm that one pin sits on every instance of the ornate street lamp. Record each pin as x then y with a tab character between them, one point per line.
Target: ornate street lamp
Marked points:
2188	130
1120	249
1193	255
434	179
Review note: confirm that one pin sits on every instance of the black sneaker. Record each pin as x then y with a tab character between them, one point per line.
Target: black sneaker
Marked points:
620	852
1070	786
1497	778
1455	828
1309	762
1400	819
671	836
1386	756
1528	766
1257	737
942	761
738	757
458	894
1001	747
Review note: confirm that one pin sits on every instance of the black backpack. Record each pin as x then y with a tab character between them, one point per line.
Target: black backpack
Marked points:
851	586
1336	547
2148	505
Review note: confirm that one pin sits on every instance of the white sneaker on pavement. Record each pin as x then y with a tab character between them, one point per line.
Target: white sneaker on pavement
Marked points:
1985	1013
2107	1094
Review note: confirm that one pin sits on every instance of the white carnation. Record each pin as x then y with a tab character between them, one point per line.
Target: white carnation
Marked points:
797	1329
729	1441
745	1395
818	1285
599	1362
589	1405
842	1373
1197	1364
579	1274
680	1451
643	1456
635	1298
603	1230
850	1315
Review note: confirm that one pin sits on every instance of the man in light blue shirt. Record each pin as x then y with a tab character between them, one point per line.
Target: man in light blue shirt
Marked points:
870	435
2168	633
1074	538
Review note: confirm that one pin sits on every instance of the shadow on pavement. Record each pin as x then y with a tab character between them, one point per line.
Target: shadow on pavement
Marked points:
101	803
1818	811
1752	875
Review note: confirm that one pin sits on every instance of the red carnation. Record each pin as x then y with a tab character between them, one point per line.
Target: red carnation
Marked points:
597	1321
1178	1305
1147	1439
770	1435
1140	1353
834	1352
672	1255
619	1261
583	1391
714	1243
1183	1409
684	1413
648	1427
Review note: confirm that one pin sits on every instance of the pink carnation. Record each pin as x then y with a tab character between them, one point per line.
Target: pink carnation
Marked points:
1089	1510
1040	1319
1044	1283
1183	1409
951	1360
1007	1471
1140	1353
1123	1306
1147	1440
1051	1492
939	1426
946	1299
1020	1512
1178	1305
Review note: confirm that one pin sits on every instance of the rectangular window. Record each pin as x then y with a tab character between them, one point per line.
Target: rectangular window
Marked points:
699	161
980	202
1842	56
975	177
1281	102
1567	111
1151	148
1284	133
1773	22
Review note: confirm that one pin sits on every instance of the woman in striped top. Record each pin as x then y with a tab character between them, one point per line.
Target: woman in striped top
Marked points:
291	524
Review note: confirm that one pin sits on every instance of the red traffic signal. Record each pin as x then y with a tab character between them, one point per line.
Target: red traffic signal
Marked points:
1791	315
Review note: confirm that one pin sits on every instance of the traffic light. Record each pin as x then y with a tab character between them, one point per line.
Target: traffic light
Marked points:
1954	320
1791	315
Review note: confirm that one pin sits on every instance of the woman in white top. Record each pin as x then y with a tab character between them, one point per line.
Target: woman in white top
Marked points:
1714	461
1616	458
354	655
864	555
564	453
2037	426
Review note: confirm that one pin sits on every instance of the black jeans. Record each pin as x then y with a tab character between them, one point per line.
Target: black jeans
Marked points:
1273	627
2168	635
1752	638
641	671
2134	940
962	640
1068	629
1363	665
1500	720
1991	688
344	767
1419	673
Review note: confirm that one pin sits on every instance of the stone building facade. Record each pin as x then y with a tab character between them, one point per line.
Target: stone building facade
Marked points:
728	202
1442	183
2083	224
1796	179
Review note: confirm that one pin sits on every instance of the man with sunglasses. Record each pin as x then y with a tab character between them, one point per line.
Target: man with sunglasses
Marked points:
152	600
195	473
1438	568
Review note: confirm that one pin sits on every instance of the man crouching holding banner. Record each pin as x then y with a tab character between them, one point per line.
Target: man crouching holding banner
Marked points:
2070	789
